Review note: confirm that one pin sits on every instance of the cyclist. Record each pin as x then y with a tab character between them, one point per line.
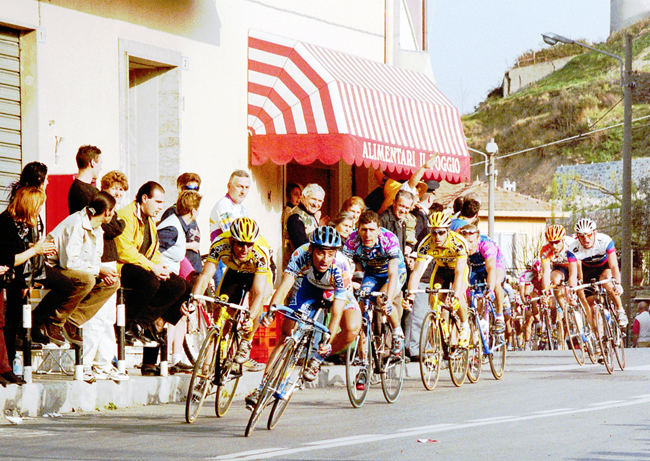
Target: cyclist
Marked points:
555	268
324	274
449	252
377	251
597	255
246	257
530	285
487	265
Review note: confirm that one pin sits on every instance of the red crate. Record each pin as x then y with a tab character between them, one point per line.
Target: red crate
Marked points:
265	340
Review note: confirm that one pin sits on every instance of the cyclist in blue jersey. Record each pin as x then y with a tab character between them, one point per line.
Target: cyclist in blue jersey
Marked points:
378	253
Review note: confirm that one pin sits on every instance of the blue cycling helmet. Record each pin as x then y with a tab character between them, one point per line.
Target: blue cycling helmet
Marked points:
326	238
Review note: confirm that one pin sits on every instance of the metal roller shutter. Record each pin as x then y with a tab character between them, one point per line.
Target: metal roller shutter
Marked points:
10	134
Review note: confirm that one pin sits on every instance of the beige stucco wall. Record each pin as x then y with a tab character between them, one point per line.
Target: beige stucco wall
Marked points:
75	90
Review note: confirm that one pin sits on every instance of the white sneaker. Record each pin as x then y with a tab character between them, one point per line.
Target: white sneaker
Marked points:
109	372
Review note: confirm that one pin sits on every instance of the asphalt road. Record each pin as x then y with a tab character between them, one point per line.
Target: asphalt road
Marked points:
545	407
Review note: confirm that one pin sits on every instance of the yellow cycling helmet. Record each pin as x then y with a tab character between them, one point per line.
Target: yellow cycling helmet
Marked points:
555	233
439	219
244	230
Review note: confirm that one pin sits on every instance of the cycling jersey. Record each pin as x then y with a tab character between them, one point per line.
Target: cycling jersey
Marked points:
557	258
595	256
486	249
338	278
375	260
454	248
529	278
257	262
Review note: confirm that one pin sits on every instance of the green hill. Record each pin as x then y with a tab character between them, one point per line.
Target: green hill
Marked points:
583	96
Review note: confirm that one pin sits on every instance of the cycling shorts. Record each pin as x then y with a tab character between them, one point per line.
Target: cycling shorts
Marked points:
562	270
375	282
445	276
589	273
308	299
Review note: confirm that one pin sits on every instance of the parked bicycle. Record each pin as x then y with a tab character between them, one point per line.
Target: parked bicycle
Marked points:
439	339
369	355
214	368
285	376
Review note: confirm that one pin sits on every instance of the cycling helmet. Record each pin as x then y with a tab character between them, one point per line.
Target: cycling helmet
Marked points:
585	226
244	230
439	219
534	264
555	233
326	238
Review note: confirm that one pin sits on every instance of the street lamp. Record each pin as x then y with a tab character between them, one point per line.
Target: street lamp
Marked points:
491	150
626	210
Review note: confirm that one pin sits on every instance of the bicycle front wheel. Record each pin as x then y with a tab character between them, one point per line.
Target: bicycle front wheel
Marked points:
458	356
357	369
430	352
202	376
619	345
549	332
290	380
605	341
394	369
228	374
574	334
475	353
197	331
498	349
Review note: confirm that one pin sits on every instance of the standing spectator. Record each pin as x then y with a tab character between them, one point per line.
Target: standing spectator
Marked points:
230	207
641	327
100	346
89	162
344	224
153	290
354	205
468	213
171	231
394	219
192	182
413	185
302	221
79	240
294	192
7	375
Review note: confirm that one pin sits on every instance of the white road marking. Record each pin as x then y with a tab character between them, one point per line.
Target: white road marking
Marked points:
408	432
607	402
11	432
557	410
341	439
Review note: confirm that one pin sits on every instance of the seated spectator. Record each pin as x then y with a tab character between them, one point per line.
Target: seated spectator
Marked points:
354	205
302	221
79	241
82	191
100	345
172	230
153	291
191	182
294	192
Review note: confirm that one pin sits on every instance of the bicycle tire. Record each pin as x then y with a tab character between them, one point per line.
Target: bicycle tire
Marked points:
498	350
574	333
356	366
475	353
549	331
458	356
228	376
197	331
430	352
270	384
393	369
619	345
605	341
592	342
202	376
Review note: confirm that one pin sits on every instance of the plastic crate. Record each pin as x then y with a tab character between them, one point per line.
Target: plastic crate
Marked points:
265	340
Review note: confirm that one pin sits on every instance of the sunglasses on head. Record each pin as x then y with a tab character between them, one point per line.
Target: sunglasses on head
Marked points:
439	232
190	187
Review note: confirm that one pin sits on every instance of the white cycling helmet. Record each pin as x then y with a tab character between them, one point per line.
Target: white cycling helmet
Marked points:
585	226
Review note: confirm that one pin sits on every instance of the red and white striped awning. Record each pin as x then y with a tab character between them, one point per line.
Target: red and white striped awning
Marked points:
308	103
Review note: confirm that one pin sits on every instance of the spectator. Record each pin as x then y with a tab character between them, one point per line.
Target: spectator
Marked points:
294	192
302	221
230	207
421	213
192	182
356	206
7	375
344	224
100	346
89	162
171	231
34	174
458	206
641	327
79	240
468	213
153	290
394	219
413	185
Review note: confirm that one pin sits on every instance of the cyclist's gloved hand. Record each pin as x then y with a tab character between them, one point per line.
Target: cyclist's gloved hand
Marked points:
489	294
407	302
267	319
247	325
324	349
618	289
189	307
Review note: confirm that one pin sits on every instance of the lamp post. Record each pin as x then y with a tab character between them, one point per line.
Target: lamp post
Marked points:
626	210
491	150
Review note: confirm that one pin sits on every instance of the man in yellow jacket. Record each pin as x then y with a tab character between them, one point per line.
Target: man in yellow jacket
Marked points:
151	289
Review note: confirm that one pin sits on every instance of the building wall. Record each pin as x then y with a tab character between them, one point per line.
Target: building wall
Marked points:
626	12
74	54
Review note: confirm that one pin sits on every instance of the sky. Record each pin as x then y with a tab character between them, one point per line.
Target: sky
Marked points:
472	43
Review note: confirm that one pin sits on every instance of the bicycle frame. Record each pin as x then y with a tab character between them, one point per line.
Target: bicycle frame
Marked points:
478	295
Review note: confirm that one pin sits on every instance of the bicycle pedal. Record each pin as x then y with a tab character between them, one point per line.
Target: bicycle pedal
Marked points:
250	407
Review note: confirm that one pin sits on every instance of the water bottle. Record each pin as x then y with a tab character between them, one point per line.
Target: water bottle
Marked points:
18	366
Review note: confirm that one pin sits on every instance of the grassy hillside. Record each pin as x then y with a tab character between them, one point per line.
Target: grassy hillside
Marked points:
583	96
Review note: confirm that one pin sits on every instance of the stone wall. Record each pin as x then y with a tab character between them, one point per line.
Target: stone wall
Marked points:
518	78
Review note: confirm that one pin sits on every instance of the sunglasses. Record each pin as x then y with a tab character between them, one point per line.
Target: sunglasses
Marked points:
191	187
468	232
589	235
438	232
244	244
555	242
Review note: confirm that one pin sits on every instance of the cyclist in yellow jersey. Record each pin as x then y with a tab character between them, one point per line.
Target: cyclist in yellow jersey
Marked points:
246	255
449	253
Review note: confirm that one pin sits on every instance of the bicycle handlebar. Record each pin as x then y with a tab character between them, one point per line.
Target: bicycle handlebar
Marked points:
430	291
600	282
221	302
362	294
301	318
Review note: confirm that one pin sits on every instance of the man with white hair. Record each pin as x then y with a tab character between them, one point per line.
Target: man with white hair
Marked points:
230	207
302	220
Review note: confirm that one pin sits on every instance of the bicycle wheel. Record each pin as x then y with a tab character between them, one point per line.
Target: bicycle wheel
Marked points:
197	330
574	334
357	368
228	374
430	352
270	385
498	350
475	353
458	356
619	345
393	369
202	376
605	341
591	343
549	332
